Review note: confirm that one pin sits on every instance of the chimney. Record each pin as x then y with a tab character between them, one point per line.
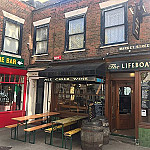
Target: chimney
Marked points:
31	2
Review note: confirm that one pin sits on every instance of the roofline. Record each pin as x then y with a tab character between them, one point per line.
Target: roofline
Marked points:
51	5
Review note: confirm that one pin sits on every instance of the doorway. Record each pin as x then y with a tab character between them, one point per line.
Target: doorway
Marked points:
39	96
123	107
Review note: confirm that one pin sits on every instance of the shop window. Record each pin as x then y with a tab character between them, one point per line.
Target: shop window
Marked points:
12	36
11	92
78	97
75	33
114	25
41	35
124	100
145	96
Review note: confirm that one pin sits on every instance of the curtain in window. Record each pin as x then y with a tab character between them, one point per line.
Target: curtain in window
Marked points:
41	47
41	34
11	45
114	26
12	35
76	26
41	40
76	41
114	34
76	34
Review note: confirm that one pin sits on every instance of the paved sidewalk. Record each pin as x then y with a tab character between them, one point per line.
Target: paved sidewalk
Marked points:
40	145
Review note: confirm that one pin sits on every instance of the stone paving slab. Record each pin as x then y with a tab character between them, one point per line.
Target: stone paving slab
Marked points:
40	145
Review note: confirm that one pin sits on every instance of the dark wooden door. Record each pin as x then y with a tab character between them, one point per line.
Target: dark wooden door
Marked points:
125	105
113	106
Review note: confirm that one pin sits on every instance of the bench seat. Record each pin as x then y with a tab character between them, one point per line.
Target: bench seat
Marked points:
69	135
59	126
37	127
72	132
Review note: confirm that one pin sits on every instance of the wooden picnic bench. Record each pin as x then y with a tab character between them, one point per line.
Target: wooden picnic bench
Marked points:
54	128
34	129
14	127
24	120
62	123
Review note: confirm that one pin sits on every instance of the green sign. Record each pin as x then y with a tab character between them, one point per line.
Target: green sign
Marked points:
11	61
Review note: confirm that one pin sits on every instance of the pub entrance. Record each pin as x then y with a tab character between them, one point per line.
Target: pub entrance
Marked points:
123	107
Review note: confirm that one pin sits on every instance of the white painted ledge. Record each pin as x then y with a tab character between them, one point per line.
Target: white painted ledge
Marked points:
13	17
12	55
76	12
42	22
111	3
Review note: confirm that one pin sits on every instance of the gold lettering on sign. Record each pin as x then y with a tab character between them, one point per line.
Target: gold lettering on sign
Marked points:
7	60
146	65
141	64
2	59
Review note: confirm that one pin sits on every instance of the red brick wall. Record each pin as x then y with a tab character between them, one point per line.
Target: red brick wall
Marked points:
57	29
21	10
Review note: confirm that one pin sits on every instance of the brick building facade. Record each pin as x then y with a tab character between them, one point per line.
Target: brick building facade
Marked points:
73	40
15	33
106	41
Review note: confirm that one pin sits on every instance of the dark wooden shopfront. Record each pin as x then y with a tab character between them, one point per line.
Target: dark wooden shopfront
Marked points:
74	86
123	103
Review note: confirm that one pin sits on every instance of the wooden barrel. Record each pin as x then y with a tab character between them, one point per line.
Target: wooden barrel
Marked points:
94	134
91	136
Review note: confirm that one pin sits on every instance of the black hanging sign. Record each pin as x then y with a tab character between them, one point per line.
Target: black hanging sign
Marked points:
136	22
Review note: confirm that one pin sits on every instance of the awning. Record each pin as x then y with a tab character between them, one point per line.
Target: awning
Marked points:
76	70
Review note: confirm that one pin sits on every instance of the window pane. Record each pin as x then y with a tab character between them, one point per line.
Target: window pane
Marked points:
41	47
11	45
41	34
124	100
145	97
76	26
12	30
76	41
115	34
10	97
114	17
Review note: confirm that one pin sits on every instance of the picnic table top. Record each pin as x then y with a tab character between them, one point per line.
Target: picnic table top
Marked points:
69	119
24	118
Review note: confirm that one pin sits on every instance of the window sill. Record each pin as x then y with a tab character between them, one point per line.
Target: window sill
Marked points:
12	55
113	45
39	55
81	50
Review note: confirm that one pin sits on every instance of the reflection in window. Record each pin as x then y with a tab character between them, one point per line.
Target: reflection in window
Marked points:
124	100
114	25
11	97
77	97
75	33
11	92
12	36
41	39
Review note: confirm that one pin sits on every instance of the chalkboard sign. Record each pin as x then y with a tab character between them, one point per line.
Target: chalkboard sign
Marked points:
96	109
145	91
99	110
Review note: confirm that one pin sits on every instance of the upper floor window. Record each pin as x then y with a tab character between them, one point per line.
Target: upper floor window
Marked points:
12	36
114	25
75	33
41	39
